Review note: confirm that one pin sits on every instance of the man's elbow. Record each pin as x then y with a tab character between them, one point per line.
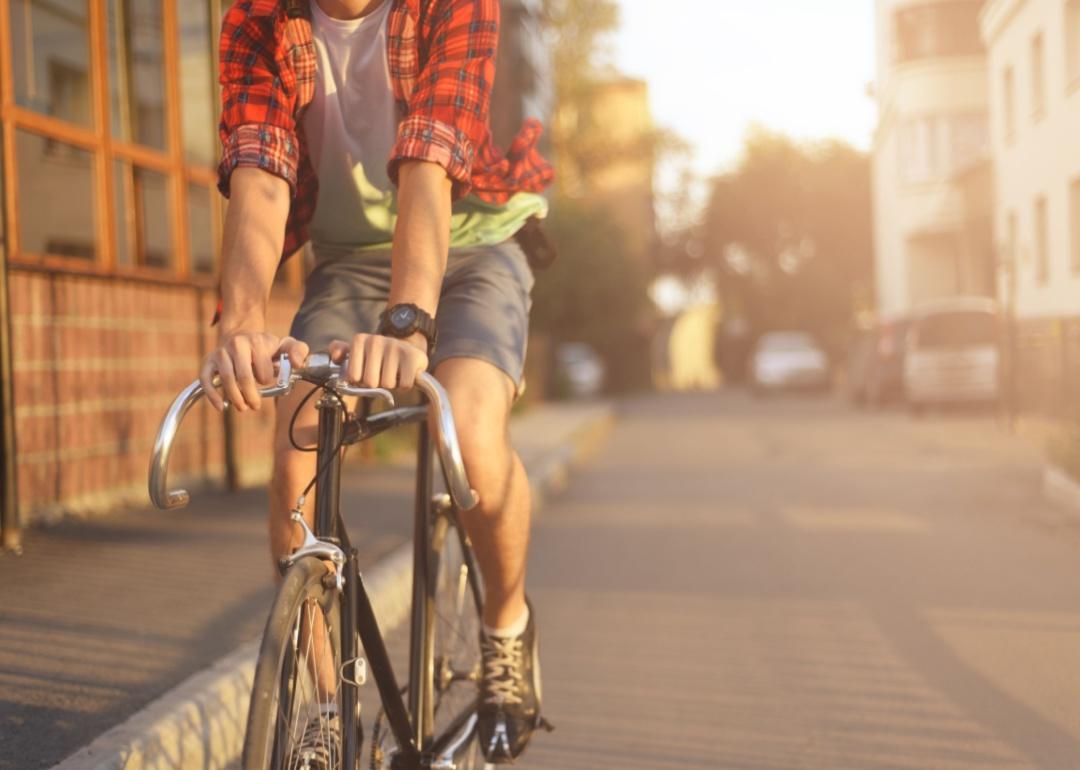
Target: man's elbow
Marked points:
423	172
260	187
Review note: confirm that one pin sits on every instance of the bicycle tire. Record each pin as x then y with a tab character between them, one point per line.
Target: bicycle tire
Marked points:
269	737
454	605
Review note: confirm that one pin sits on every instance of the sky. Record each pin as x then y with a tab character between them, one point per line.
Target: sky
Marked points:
715	67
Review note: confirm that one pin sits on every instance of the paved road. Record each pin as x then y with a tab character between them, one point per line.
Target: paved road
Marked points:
791	584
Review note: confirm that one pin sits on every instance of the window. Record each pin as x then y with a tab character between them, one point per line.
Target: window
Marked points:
1008	104
1012	242
200	228
198	97
1074	224
144	233
1038	78
56	198
50	53
1042	244
934	30
135	193
1072	43
137	72
933	148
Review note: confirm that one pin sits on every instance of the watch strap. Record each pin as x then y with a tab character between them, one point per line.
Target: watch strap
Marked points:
423	323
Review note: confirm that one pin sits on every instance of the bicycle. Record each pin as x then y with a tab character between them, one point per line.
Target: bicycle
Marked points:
323	612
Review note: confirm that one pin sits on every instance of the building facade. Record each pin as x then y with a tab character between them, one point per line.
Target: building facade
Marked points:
932	178
110	232
1034	75
112	226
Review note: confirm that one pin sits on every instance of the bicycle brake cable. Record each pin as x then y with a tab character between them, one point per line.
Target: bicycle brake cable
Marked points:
337	449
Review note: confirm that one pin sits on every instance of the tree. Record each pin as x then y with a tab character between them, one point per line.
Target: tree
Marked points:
596	292
788	236
593	293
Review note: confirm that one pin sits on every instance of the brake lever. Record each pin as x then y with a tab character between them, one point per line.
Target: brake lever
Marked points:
282	387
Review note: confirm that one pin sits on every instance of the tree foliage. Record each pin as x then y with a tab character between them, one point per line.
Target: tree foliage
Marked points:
594	293
788	236
579	55
580	61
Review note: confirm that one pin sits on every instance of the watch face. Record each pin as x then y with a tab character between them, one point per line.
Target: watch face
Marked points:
403	317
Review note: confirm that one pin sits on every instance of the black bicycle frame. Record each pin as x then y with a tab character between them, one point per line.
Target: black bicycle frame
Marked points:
414	740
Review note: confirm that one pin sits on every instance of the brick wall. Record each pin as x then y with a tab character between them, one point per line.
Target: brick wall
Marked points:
96	363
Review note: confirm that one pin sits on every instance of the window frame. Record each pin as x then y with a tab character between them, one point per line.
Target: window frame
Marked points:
1037	54
1074	225
1041	227
1070	34
98	139
1008	104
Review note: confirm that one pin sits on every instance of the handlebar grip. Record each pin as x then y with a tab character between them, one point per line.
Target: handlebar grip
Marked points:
160	494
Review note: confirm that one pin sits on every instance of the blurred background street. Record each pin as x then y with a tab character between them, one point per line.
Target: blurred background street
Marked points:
818	272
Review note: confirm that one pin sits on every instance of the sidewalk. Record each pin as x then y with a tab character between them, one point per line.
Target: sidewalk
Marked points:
101	617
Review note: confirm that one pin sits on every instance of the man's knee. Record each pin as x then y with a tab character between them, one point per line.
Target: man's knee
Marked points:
481	397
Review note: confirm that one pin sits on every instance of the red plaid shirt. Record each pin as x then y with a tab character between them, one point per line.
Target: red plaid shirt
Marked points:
442	63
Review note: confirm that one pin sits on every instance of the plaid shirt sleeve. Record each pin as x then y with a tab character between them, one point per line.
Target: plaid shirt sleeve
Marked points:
258	127
447	116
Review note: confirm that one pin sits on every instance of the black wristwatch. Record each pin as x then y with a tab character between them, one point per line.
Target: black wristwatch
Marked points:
402	321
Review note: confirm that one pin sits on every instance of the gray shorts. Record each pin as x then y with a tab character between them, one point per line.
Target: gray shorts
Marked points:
483	311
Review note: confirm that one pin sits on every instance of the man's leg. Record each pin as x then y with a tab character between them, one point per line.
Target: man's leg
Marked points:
481	396
293	470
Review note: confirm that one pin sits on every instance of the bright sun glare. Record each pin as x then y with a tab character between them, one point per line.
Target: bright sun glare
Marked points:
715	67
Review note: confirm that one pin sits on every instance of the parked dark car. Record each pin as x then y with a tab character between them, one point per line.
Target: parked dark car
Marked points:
876	363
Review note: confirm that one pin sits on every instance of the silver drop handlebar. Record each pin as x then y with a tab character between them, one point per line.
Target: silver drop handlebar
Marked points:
320	369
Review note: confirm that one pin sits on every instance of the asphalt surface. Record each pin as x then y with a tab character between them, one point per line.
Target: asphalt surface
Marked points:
789	583
100	617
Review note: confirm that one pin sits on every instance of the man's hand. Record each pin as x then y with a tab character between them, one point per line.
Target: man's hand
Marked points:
382	362
244	361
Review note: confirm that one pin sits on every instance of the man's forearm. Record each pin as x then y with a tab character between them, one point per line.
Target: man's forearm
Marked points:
422	235
254	236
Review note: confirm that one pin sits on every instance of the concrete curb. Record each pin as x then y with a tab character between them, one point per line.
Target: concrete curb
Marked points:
199	725
1060	488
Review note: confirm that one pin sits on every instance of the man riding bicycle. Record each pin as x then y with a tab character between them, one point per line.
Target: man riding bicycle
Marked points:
362	126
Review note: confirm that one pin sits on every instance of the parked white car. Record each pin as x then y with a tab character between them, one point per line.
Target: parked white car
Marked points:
580	369
789	359
953	353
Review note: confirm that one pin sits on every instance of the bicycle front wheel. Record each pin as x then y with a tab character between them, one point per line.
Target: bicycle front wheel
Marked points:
294	720
454	602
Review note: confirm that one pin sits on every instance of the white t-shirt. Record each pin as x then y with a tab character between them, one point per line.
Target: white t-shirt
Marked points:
351	126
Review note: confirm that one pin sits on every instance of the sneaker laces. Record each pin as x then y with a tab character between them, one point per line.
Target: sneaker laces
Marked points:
503	661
